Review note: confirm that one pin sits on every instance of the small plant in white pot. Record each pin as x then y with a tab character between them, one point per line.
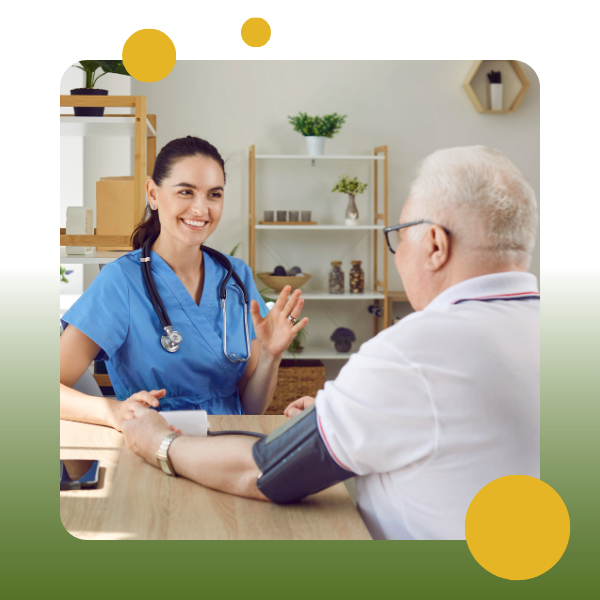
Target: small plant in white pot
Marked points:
495	78
316	129
345	185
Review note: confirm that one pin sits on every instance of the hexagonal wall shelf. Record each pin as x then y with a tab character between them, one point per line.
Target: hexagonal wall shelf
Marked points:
475	98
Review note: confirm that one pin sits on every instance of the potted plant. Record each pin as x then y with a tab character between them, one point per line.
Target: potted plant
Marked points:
89	67
345	185
495	78
63	274
296	347
343	337
316	129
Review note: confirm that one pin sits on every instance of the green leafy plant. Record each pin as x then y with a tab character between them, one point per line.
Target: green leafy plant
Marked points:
235	248
326	126
345	185
297	344
63	273
89	67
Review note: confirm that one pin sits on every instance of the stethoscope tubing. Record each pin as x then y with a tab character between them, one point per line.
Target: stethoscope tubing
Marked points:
161	311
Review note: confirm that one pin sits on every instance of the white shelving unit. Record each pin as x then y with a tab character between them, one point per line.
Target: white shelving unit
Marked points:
95	258
102	126
380	219
142	128
322	227
320	354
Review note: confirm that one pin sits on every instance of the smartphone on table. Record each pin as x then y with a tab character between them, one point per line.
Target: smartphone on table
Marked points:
79	474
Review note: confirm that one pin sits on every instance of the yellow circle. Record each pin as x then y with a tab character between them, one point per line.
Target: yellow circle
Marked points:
517	527
256	32
149	55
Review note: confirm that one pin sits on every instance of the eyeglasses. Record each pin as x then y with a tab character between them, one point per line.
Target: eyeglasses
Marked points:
388	230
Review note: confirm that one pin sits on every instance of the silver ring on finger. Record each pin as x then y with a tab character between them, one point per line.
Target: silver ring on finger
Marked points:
294	321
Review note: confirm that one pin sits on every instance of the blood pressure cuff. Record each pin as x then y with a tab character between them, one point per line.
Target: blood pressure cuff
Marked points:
295	462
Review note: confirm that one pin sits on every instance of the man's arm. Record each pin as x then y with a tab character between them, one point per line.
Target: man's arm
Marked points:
223	463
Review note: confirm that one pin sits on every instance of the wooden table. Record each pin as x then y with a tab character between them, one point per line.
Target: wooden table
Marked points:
137	501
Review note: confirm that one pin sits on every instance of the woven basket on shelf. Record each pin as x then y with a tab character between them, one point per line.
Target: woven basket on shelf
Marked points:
296	378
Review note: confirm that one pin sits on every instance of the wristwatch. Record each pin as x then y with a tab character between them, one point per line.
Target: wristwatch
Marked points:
163	455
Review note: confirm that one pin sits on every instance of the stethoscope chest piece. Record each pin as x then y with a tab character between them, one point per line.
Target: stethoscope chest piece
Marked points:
170	340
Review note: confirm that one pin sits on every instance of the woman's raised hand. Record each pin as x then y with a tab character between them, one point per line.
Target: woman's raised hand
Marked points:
123	410
276	331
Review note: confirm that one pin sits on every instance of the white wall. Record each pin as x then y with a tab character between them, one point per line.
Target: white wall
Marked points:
413	107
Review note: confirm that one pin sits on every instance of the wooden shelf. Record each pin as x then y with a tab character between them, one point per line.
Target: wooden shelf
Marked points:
467	85
379	222
399	296
323	227
268	224
322	353
322	157
95	258
142	127
327	296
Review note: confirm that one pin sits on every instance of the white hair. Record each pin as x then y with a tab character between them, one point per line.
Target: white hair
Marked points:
481	197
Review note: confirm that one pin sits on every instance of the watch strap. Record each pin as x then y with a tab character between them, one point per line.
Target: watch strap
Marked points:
163	455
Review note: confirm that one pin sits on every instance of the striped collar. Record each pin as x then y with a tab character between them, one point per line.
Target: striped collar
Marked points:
513	285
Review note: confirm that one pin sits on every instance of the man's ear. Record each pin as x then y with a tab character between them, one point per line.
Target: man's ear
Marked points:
438	248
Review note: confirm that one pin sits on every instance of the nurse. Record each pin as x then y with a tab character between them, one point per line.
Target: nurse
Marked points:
115	320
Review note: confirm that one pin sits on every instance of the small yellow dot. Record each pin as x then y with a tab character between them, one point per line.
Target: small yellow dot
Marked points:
149	55
517	527
256	32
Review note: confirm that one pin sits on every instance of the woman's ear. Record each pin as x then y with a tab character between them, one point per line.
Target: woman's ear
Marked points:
151	194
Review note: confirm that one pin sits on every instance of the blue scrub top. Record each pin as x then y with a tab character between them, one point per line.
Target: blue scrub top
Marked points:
117	314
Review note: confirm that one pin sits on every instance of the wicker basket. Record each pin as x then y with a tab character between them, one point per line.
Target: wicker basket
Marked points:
296	378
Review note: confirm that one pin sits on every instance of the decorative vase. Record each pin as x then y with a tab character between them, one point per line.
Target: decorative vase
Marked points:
343	346
88	111
315	145
496	96
351	212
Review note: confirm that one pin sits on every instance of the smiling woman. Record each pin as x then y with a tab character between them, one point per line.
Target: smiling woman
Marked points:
117	319
176	169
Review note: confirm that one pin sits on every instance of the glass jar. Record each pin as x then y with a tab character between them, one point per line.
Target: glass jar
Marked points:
336	278
357	278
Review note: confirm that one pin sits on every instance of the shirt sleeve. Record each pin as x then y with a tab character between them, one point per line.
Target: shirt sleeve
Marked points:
245	273
102	312
377	415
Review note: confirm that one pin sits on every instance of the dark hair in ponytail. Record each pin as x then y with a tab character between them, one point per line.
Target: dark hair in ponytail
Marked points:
167	157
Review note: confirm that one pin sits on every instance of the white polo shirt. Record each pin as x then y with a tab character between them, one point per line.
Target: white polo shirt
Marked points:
434	408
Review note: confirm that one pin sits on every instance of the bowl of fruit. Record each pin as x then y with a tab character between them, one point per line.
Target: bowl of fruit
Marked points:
279	278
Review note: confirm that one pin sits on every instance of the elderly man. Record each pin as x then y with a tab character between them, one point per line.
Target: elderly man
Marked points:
432	409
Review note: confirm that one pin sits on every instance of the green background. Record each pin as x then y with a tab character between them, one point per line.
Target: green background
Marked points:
42	559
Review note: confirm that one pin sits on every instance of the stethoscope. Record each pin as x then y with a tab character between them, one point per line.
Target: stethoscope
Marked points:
171	339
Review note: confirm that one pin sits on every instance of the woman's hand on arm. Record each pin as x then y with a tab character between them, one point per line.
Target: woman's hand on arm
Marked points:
77	351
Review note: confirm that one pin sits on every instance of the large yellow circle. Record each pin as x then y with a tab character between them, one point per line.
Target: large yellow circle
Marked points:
256	32
149	55
517	527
